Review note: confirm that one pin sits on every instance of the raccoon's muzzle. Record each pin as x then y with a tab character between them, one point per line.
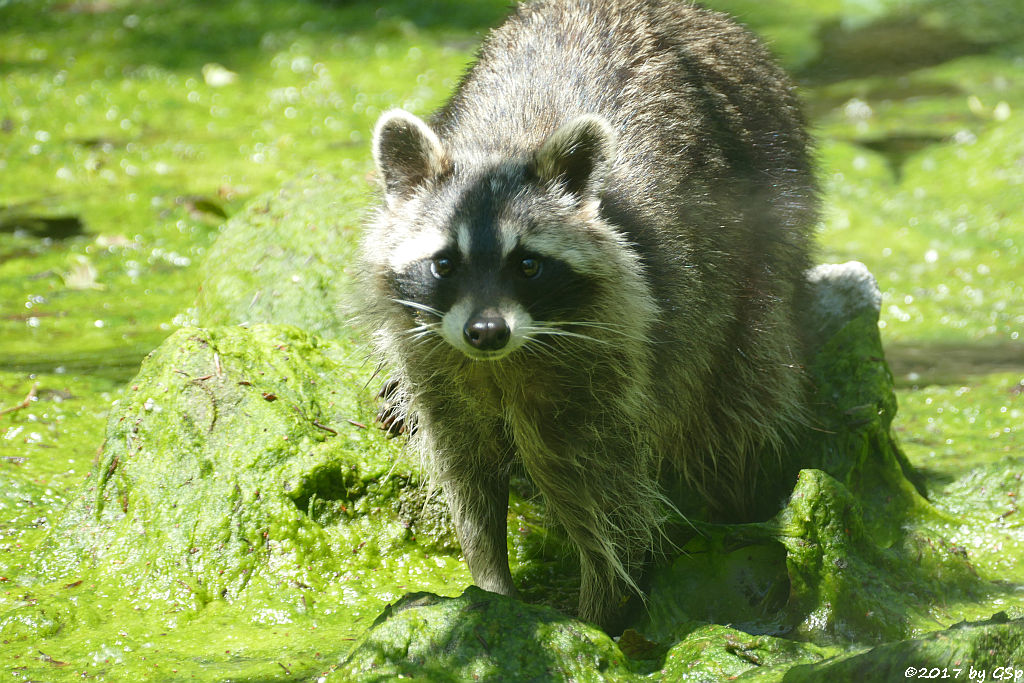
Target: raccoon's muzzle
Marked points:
487	331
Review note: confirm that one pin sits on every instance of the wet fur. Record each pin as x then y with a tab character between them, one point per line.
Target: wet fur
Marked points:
688	207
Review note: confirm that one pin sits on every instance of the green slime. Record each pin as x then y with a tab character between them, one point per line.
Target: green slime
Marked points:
106	116
255	519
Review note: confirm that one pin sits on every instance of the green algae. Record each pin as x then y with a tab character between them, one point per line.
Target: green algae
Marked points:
310	295
947	430
710	652
45	449
951	267
238	489
111	118
989	650
481	636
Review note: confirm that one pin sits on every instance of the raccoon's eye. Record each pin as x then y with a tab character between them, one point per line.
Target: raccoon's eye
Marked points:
529	267
441	267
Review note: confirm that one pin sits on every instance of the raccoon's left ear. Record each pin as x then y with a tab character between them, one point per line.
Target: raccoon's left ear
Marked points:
577	156
407	153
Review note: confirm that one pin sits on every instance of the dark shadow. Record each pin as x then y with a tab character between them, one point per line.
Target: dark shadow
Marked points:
820	103
937	479
920	365
899	147
118	364
52	227
888	47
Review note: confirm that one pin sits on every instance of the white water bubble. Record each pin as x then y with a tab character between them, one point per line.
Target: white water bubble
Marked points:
857	109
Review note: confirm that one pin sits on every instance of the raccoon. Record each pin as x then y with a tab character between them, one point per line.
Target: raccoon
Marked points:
589	264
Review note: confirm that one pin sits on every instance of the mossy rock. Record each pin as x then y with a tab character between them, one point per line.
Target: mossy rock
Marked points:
284	259
242	457
480	636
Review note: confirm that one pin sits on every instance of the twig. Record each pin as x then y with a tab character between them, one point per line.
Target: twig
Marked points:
325	428
50	660
23	404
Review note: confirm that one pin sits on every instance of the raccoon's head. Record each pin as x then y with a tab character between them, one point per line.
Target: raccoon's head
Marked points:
494	252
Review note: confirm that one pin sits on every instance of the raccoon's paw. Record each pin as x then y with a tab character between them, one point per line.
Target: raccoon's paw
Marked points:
392	416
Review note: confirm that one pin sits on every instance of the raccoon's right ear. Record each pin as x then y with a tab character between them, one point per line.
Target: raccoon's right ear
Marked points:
407	153
577	156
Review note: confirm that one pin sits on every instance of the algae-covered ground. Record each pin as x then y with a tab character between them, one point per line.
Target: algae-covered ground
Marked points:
140	540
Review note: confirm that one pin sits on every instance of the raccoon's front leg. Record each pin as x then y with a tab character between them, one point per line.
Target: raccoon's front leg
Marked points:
479	505
604	498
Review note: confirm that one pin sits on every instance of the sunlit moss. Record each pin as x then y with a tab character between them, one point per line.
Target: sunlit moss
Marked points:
131	130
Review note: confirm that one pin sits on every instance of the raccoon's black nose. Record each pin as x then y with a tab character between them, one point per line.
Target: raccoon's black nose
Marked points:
487	333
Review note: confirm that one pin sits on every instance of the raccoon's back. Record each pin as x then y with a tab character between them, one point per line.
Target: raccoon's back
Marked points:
692	95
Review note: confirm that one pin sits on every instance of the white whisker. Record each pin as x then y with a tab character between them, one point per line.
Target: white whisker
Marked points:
419	330
534	345
620	330
555	332
419	307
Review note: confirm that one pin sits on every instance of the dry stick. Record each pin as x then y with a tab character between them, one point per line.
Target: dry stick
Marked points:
326	428
23	404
